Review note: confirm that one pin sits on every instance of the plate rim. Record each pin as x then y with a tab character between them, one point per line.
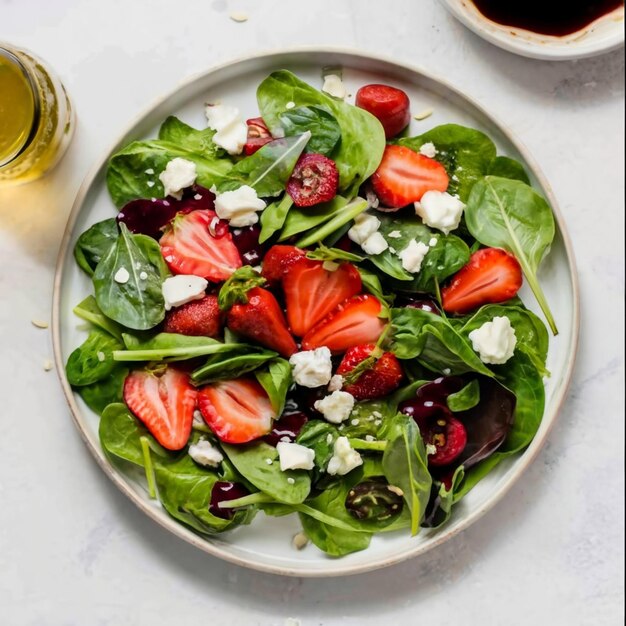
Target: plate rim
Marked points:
205	544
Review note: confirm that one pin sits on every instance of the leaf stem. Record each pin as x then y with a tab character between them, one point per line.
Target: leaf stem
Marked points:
148	467
363	444
168	353
254	498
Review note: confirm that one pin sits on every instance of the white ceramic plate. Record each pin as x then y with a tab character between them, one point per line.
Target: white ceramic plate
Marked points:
266	544
603	35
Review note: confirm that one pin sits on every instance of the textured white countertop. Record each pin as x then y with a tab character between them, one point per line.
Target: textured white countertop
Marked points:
74	551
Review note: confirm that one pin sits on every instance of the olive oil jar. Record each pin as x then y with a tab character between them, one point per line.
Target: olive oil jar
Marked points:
36	117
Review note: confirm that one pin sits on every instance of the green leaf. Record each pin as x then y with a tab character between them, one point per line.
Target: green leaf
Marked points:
235	289
99	395
201	141
334	541
94	243
323	253
88	310
300	220
505	167
233	364
442	508
466	398
273	217
324	128
137	303
93	360
509	214
276	379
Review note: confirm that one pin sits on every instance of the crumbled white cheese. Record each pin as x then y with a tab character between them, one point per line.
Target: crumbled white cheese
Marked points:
370	438
336	383
143	275
433	242
440	210
413	255
336	407
374	244
394	234
333	86
355	422
290	105
344	458
101	356
203	453
291	481
428	150
232	131
294	456
240	206
494	341
178	174
121	276
312	368
447	371
364	226
431	449
149	171
183	288
269	461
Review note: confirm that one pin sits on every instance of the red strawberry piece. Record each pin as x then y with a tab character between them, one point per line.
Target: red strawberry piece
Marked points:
491	275
380	380
261	319
312	292
404	176
258	135
200	243
352	323
390	105
164	401
277	262
201	318
314	179
237	411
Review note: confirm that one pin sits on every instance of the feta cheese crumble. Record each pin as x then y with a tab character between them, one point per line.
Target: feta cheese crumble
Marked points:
344	458
101	356
183	288
336	383
232	131
294	456
240	206
203	453
494	341
374	244
365	233
333	86
429	150
336	407
121	276
178	174
413	255
440	210
312	368
394	234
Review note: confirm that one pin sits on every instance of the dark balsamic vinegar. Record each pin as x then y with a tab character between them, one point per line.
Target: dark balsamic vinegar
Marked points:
547	17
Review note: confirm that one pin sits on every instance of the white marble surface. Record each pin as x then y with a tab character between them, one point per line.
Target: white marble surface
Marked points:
73	551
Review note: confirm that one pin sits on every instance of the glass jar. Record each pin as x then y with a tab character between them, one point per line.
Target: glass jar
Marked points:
36	117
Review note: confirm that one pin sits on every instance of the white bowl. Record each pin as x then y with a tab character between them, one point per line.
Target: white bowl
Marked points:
266	544
603	35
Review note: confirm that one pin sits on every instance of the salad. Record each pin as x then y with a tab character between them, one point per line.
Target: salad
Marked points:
314	311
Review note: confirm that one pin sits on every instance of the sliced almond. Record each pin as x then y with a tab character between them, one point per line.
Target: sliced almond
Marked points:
48	365
239	16
39	323
423	115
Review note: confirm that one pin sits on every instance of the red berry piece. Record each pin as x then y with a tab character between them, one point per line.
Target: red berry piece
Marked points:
258	135
314	179
390	105
199	318
277	261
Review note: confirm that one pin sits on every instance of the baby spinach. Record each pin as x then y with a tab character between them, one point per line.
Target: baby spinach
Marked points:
252	461
324	128
268	169
505	167
362	137
273	217
324	253
94	243
89	311
239	360
300	220
319	436
509	214
466	398
181	134
334	541
93	360
138	302
99	395
276	379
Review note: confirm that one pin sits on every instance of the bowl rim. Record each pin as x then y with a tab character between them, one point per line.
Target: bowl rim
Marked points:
500	35
205	544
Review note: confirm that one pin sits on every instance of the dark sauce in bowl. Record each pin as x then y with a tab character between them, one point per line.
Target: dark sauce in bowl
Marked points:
547	17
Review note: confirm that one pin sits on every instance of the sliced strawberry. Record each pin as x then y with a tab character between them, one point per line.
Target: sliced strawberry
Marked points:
164	401
258	135
390	105
491	275
314	179
201	318
277	262
261	319
379	380
354	322
200	243
312	292
237	411
404	176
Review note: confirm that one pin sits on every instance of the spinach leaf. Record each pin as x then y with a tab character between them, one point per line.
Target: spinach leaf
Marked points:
133	172
324	253
138	302
466	154
465	399
88	310
334	541
509	214
94	243
231	364
251	461
273	217
300	220
324	128
505	167
181	134
268	169
319	436
362	137
371	283
276	379
93	360
406	466
99	395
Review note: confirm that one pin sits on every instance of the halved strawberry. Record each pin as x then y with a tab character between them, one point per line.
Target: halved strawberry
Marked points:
199	243
237	411
201	318
379	380
354	322
261	319
258	135
277	262
491	275
164	401
404	176
312	292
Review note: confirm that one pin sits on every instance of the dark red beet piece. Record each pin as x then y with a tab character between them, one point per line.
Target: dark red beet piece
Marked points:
286	428
224	491
314	179
246	239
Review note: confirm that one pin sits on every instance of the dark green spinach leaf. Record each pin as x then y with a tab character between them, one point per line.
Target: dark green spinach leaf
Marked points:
324	128
94	243
466	398
93	360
